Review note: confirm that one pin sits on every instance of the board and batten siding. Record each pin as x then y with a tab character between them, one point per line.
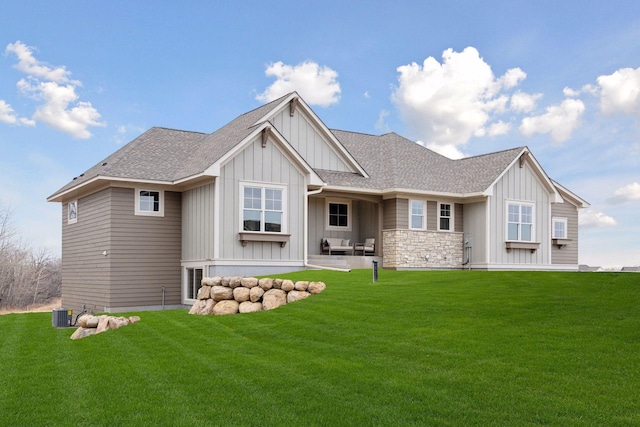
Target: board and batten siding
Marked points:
145	252
567	254
519	184
266	165
85	270
475	229
306	138
198	212
364	222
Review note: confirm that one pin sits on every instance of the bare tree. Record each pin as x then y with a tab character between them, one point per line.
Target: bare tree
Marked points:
26	276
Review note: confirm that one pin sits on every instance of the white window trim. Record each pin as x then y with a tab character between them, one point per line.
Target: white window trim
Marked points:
349	214
424	214
263	186
553	227
69	219
533	221
187	285
139	212
451	217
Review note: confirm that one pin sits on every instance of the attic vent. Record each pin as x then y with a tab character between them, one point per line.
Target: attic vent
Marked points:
265	136
104	164
523	158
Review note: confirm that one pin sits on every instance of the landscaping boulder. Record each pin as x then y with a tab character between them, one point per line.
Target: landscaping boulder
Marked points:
274	298
226	307
294	296
265	283
204	292
255	294
301	285
241	294
250	307
316	287
219	293
249	282
235	281
197	307
82	332
103	324
207	308
287	285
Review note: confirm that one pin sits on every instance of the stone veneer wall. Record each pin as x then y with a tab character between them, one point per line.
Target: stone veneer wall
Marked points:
407	249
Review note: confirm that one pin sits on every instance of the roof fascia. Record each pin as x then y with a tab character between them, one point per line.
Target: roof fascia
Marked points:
571	196
290	152
58	197
316	121
391	192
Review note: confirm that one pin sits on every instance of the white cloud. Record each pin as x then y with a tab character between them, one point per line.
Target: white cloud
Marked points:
628	193
447	103
498	128
523	102
620	92
560	120
595	219
381	124
52	87
317	84
7	115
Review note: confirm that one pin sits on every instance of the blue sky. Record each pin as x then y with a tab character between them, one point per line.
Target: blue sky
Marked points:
78	79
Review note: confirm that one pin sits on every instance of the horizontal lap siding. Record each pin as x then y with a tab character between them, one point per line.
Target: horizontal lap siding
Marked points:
85	270
569	253
145	252
396	214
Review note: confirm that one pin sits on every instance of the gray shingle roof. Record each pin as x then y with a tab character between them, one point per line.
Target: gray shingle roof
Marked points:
396	162
392	162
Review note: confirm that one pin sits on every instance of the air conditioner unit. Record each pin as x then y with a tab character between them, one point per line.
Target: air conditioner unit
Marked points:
61	317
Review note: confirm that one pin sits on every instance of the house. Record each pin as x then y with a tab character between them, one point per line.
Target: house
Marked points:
260	195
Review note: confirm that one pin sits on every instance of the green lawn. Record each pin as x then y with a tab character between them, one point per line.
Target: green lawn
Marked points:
454	348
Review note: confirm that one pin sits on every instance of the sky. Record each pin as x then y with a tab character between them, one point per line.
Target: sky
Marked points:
79	79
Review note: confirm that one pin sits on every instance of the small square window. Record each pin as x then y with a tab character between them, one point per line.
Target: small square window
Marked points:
559	228
338	215
149	202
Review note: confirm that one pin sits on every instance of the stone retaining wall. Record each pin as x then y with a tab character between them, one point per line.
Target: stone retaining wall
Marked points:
409	249
231	295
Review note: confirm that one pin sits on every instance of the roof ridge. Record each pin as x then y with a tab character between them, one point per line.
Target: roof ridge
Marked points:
493	153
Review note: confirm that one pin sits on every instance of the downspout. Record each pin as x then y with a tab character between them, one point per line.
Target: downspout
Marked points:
306	235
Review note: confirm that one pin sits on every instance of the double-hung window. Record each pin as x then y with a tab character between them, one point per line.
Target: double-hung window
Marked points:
149	202
445	218
417	215
263	208
520	222
559	228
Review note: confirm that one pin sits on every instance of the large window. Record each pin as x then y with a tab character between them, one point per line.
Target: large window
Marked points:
520	222
194	282
417	215
445	218
338	215
149	202
72	214
263	208
559	228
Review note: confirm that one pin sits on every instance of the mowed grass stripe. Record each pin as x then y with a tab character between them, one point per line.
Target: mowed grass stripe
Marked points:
415	348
